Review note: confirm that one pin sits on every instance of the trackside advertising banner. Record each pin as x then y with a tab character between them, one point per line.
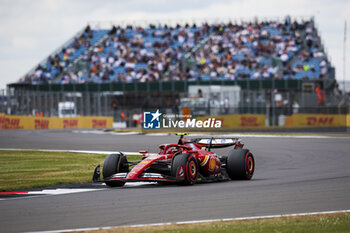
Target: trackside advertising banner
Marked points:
28	122
318	120
240	120
2	119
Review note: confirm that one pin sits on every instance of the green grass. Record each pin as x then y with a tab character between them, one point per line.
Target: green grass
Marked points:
314	224
30	169
304	224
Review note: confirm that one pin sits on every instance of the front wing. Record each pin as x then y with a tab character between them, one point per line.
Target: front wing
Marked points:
146	177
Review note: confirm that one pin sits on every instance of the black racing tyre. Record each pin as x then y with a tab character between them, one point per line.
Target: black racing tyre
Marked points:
185	165
240	164
113	164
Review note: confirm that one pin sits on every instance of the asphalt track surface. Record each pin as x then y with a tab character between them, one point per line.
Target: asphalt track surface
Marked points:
292	175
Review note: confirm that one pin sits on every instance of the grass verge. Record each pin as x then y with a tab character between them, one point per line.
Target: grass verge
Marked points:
339	222
31	169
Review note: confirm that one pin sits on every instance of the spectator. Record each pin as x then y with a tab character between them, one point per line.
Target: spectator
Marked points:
320	95
295	107
231	51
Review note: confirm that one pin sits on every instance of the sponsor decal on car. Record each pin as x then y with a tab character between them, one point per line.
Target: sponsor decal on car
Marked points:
180	172
148	175
205	160
212	164
151	175
119	175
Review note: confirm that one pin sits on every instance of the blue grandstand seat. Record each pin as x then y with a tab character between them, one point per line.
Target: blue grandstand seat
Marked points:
247	52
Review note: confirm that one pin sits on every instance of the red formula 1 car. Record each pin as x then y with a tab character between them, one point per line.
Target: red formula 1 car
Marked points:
187	162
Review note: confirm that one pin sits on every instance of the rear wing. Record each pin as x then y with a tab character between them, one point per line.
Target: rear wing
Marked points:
216	142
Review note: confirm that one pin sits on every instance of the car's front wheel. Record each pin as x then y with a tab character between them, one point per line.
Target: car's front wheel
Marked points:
114	163
185	166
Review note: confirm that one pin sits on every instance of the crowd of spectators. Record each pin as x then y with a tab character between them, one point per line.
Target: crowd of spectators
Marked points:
139	54
224	51
312	62
56	64
246	51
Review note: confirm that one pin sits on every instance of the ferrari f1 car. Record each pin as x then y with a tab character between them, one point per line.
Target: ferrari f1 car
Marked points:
186	162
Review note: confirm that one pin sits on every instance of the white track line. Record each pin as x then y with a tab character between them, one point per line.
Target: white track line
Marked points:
58	191
278	135
273	136
197	221
158	134
48	192
287	136
78	151
103	132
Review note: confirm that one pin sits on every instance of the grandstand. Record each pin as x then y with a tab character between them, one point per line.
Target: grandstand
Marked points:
283	49
132	67
58	62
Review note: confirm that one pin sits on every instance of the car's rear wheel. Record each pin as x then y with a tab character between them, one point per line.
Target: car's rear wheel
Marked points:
240	164
185	166
114	163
